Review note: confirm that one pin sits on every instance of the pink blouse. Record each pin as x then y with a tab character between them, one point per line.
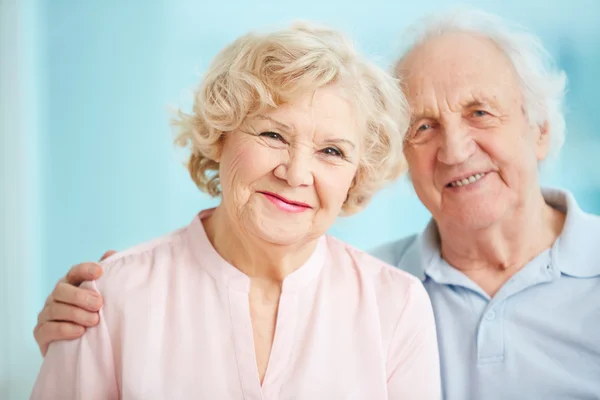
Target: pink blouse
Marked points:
176	325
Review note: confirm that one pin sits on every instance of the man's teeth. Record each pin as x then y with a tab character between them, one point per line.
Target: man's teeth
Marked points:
467	181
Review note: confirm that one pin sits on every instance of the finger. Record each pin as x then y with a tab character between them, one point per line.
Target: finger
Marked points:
88	271
76	296
59	312
108	254
49	332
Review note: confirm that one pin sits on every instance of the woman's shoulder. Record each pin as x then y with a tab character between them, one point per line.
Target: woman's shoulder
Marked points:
141	251
125	269
396	293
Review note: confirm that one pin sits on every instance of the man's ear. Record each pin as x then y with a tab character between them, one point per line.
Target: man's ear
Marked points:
542	141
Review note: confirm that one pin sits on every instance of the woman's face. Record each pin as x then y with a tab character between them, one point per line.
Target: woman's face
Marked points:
286	173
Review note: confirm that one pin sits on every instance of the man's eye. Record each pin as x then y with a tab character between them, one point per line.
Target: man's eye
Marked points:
480	113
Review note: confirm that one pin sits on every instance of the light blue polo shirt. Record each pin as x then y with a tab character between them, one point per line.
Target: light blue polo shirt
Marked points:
538	337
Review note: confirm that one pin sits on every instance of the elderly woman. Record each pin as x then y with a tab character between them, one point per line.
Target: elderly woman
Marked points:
252	300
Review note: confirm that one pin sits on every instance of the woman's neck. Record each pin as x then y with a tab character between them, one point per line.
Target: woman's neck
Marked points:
250	254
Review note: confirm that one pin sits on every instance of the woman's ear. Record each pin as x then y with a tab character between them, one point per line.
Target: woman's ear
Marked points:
352	185
219	147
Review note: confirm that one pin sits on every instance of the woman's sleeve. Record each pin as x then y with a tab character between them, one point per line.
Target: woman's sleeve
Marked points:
80	369
413	359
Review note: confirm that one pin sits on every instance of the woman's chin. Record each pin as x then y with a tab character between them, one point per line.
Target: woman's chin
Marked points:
282	236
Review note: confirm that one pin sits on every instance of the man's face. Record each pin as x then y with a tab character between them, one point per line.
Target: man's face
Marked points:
472	153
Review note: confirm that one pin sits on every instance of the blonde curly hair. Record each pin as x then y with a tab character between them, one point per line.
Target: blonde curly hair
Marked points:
258	72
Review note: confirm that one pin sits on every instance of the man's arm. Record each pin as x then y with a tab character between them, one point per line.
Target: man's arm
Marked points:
69	310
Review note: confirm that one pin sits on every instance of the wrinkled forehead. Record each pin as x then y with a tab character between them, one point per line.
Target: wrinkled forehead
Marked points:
326	111
454	69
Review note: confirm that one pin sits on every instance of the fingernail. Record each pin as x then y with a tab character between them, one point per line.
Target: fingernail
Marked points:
93	269
91	318
93	301
78	330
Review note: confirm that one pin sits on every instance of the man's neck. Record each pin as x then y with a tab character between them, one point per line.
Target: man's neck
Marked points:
256	258
491	256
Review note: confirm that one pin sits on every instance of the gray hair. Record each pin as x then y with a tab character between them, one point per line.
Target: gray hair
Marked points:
543	84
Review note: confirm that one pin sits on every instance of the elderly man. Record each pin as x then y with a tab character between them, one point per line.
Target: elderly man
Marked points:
511	269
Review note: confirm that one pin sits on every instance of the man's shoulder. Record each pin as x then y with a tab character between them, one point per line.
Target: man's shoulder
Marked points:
392	252
578	246
403	253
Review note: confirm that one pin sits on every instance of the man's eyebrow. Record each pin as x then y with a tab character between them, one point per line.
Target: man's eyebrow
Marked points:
477	103
425	114
430	114
481	100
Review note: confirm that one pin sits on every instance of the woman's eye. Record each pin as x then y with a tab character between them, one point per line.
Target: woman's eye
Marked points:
332	151
479	113
272	135
423	127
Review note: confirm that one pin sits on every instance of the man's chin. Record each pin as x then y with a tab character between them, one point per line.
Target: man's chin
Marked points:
471	217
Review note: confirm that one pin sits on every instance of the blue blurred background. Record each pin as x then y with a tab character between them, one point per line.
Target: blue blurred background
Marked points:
87	159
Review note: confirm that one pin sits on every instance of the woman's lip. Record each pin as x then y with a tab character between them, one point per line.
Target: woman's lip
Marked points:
293	203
